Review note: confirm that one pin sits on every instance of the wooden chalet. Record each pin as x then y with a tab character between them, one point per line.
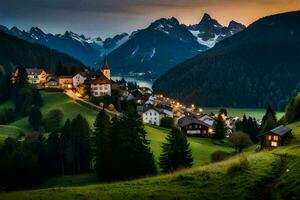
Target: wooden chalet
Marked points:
276	137
193	126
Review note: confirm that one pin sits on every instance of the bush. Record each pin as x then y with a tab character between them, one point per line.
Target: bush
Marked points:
218	156
7	116
240	140
240	166
167	122
53	120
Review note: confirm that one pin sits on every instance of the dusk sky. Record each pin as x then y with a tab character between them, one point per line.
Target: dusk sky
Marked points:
108	17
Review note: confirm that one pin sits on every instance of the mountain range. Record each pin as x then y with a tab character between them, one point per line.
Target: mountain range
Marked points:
149	51
253	68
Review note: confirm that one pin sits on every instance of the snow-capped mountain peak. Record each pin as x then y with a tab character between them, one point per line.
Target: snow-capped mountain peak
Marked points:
209	31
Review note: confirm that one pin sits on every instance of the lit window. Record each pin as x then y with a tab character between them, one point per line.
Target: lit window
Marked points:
269	137
274	144
275	138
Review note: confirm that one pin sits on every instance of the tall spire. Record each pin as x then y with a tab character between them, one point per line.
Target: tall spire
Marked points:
105	63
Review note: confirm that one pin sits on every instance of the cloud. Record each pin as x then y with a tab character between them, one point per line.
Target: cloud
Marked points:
113	16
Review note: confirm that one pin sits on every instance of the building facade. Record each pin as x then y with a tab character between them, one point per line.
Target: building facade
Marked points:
36	76
101	87
192	126
276	137
152	116
79	79
65	82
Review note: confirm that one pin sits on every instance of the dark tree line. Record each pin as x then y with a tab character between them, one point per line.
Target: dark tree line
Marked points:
25	97
249	126
23	164
122	150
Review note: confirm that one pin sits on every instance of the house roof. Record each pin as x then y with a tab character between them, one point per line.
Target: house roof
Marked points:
65	77
151	108
50	77
100	80
207	119
34	70
280	130
184	121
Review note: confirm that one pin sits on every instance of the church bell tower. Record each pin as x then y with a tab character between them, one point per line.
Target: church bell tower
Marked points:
105	68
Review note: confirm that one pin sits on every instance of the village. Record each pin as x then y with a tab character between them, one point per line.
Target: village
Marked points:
153	108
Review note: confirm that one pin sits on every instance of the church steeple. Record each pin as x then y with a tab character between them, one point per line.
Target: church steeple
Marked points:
105	63
105	68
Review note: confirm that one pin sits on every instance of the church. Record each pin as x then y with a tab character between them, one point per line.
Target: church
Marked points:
101	86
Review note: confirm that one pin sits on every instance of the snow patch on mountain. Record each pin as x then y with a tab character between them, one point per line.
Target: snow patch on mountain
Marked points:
135	51
210	43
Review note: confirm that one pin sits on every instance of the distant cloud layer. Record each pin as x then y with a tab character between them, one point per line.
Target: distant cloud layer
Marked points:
107	17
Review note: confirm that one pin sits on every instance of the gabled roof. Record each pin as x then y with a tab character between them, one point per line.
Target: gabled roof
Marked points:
280	130
184	121
151	108
65	77
100	80
34	71
207	119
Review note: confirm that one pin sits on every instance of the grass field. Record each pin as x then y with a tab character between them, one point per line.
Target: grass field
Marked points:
239	112
205	182
9	131
270	174
202	148
58	100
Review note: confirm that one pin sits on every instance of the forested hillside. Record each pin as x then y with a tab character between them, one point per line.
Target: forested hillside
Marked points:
15	52
253	68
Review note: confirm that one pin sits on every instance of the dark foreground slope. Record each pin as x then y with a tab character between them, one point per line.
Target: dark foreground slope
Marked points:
253	68
15	52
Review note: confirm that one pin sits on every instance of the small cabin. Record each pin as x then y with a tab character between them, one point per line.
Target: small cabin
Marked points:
192	126
276	137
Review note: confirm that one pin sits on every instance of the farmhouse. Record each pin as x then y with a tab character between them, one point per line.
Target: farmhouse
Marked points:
79	79
36	76
65	81
101	86
276	137
51	81
152	115
193	126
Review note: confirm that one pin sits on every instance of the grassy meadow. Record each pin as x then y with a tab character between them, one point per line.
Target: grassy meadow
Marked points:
229	179
256	113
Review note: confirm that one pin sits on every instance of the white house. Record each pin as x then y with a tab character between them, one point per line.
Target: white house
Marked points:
152	116
35	75
79	79
101	87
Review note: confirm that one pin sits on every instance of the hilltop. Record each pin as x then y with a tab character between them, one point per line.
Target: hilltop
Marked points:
253	68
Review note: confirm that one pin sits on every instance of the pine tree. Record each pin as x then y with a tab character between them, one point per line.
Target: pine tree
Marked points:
5	87
81	145
53	153
102	128
35	118
269	112
268	124
269	120
130	154
66	147
176	152
219	128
